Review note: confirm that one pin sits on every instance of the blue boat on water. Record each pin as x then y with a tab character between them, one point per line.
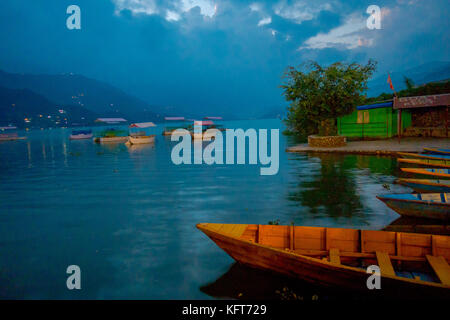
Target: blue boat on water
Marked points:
422	205
81	134
426	185
424	155
445	152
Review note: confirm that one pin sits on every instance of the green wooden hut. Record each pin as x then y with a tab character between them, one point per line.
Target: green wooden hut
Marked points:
372	121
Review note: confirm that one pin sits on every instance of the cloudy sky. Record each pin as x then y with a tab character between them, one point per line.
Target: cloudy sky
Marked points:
222	55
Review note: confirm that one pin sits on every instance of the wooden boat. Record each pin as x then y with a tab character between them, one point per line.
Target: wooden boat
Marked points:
435	172
437	151
411	265
427	162
141	137
117	139
136	139
426	185
169	130
206	129
114	134
81	134
9	134
423	205
423	156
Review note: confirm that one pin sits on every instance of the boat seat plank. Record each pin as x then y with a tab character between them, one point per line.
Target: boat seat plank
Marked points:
335	256
440	267
384	262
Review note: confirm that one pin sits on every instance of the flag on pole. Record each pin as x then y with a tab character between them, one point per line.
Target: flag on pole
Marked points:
390	82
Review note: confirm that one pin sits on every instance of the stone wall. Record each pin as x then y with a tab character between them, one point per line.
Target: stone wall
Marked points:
326	141
427	122
428	117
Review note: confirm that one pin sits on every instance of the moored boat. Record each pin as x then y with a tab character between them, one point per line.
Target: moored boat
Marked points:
427	162
424	156
437	151
435	172
112	134
169	130
81	134
141	137
411	265
426	185
9	134
422	205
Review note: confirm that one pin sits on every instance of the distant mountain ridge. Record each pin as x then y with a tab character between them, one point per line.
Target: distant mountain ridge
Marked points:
25	108
77	90
432	71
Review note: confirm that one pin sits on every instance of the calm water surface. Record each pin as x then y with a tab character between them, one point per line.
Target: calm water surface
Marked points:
127	216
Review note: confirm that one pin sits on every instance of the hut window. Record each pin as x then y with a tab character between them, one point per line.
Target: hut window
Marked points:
363	116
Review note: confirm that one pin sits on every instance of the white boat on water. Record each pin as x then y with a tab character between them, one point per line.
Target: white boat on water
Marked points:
141	137
206	129
81	134
112	134
172	130
9	134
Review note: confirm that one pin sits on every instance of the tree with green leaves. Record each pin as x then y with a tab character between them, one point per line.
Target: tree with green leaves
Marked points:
319	95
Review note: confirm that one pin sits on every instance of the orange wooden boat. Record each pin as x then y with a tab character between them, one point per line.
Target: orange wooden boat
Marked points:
411	265
427	162
437	172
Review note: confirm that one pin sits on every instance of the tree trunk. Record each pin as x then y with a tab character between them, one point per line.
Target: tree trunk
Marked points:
328	127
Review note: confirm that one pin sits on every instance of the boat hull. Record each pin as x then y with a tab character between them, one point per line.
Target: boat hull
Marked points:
80	136
141	139
425	185
427	162
419	209
12	138
111	139
424	156
316	271
441	173
445	152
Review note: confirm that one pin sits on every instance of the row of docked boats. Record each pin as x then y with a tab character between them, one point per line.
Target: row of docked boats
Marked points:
411	265
136	133
199	129
431	197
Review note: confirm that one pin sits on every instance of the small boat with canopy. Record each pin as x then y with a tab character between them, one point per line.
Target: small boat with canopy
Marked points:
201	127
81	134
168	130
9	133
112	134
138	134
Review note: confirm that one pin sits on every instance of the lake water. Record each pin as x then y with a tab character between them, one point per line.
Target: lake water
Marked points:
127	216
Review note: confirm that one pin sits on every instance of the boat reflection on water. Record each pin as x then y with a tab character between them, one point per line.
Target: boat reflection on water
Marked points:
246	283
136	148
418	225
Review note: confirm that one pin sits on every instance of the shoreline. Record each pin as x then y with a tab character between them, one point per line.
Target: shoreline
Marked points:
386	147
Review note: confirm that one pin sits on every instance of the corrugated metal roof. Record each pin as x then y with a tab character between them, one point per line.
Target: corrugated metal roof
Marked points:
375	106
